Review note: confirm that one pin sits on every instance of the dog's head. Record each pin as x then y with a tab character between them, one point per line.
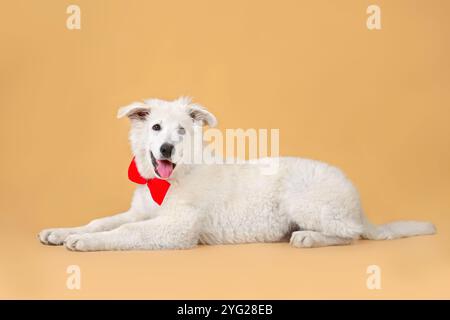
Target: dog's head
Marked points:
158	130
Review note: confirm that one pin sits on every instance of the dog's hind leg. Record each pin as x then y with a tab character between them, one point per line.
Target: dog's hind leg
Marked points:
313	239
327	212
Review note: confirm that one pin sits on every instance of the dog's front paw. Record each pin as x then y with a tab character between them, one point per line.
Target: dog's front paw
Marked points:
302	239
81	242
55	236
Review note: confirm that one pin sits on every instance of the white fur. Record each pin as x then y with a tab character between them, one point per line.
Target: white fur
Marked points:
309	202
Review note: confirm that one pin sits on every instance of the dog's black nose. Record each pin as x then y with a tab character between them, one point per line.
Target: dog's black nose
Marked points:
166	150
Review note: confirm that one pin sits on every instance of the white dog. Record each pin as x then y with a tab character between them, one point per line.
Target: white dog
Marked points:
310	202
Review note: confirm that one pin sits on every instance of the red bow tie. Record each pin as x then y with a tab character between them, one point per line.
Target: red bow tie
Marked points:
158	187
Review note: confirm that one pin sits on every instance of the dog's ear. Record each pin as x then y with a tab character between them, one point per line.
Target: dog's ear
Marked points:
200	114
135	111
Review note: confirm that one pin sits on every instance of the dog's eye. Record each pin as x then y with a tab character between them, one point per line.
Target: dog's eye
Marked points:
181	130
156	127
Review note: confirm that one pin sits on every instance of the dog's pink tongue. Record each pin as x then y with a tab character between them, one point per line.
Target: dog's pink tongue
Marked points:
164	168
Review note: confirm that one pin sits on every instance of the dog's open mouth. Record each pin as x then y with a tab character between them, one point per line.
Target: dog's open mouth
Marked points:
163	168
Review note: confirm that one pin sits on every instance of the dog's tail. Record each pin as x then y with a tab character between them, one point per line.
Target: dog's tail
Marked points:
397	229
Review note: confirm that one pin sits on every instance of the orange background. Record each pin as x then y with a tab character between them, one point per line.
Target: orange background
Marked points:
375	103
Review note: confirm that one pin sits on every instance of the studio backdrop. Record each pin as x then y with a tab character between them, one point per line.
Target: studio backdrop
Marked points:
369	94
